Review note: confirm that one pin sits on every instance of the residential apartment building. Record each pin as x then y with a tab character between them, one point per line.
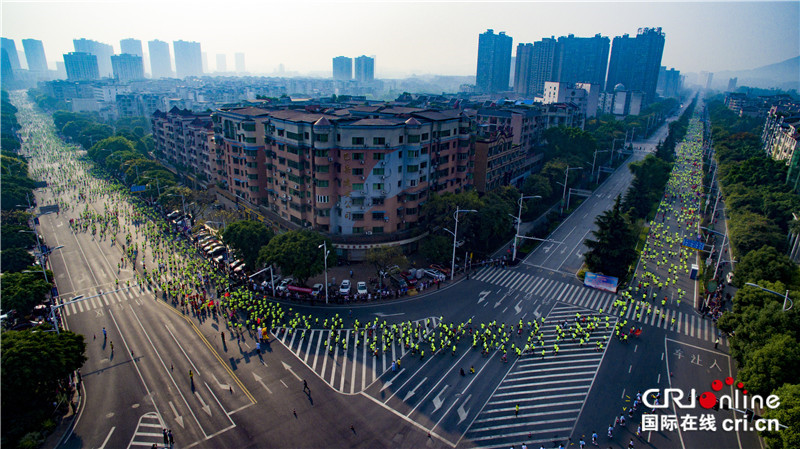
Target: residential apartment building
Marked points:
669	82
635	62
498	161
364	69
102	51
10	48
131	47
160	60
188	59
342	68
127	67
241	151
780	135
34	54
81	66
494	62
581	60
583	95
186	140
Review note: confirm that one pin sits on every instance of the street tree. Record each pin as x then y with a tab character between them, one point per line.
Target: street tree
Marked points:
436	248
247	237
750	231
14	260
788	414
383	257
613	248
771	365
35	366
13	238
22	292
297	254
765	263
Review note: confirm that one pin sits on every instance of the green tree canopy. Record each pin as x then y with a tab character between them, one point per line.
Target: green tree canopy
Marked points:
749	231
23	291
788	414
35	365
765	263
247	237
297	254
15	259
771	365
384	257
436	248
612	250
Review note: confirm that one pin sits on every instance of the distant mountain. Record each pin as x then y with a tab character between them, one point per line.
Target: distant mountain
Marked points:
783	75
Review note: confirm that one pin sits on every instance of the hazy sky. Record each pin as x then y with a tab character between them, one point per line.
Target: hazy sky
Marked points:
409	37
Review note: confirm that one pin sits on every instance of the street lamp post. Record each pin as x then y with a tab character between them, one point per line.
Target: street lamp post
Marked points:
721	248
785	296
42	253
455	233
613	143
564	194
325	253
594	159
519	220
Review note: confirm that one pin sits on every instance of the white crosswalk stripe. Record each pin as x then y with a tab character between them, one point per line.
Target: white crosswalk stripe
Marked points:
339	365
549	391
148	432
686	323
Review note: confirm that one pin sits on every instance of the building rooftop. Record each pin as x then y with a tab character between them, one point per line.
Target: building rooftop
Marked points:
378	122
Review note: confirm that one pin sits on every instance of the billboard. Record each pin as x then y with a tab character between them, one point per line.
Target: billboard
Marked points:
600	282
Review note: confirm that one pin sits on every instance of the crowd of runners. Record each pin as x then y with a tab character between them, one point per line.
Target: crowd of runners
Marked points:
166	262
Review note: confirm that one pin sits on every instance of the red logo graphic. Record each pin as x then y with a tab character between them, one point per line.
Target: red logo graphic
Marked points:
709	399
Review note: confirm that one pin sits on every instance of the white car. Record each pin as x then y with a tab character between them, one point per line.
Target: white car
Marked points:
361	288
317	290
344	289
435	274
284	284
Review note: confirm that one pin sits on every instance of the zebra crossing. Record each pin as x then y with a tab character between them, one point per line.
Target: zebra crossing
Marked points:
125	294
550	391
349	368
149	432
687	323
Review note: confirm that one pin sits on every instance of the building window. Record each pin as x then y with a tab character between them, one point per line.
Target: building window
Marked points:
358	230
357	216
413	138
358	141
411	211
377	201
358	186
321	182
358	172
358	156
358	201
280	133
321	137
379	141
322	168
412	169
424	137
378	171
323	198
377	215
377	229
377	186
377	156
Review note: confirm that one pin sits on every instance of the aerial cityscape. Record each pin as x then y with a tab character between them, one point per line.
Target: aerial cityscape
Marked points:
400	225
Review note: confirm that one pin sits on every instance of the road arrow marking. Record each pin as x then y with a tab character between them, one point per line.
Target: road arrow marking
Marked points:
482	296
383	315
221	385
536	312
548	248
462	414
178	418
414	391
497	304
206	408
261	381
289	368
388	384
518	308
437	401
578	254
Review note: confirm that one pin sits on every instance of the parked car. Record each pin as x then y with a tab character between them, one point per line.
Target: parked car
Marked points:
409	278
284	284
434	274
361	288
317	289
344	288
398	281
440	268
173	215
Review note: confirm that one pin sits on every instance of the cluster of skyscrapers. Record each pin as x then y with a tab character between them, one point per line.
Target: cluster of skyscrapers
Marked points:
634	64
94	60
364	68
